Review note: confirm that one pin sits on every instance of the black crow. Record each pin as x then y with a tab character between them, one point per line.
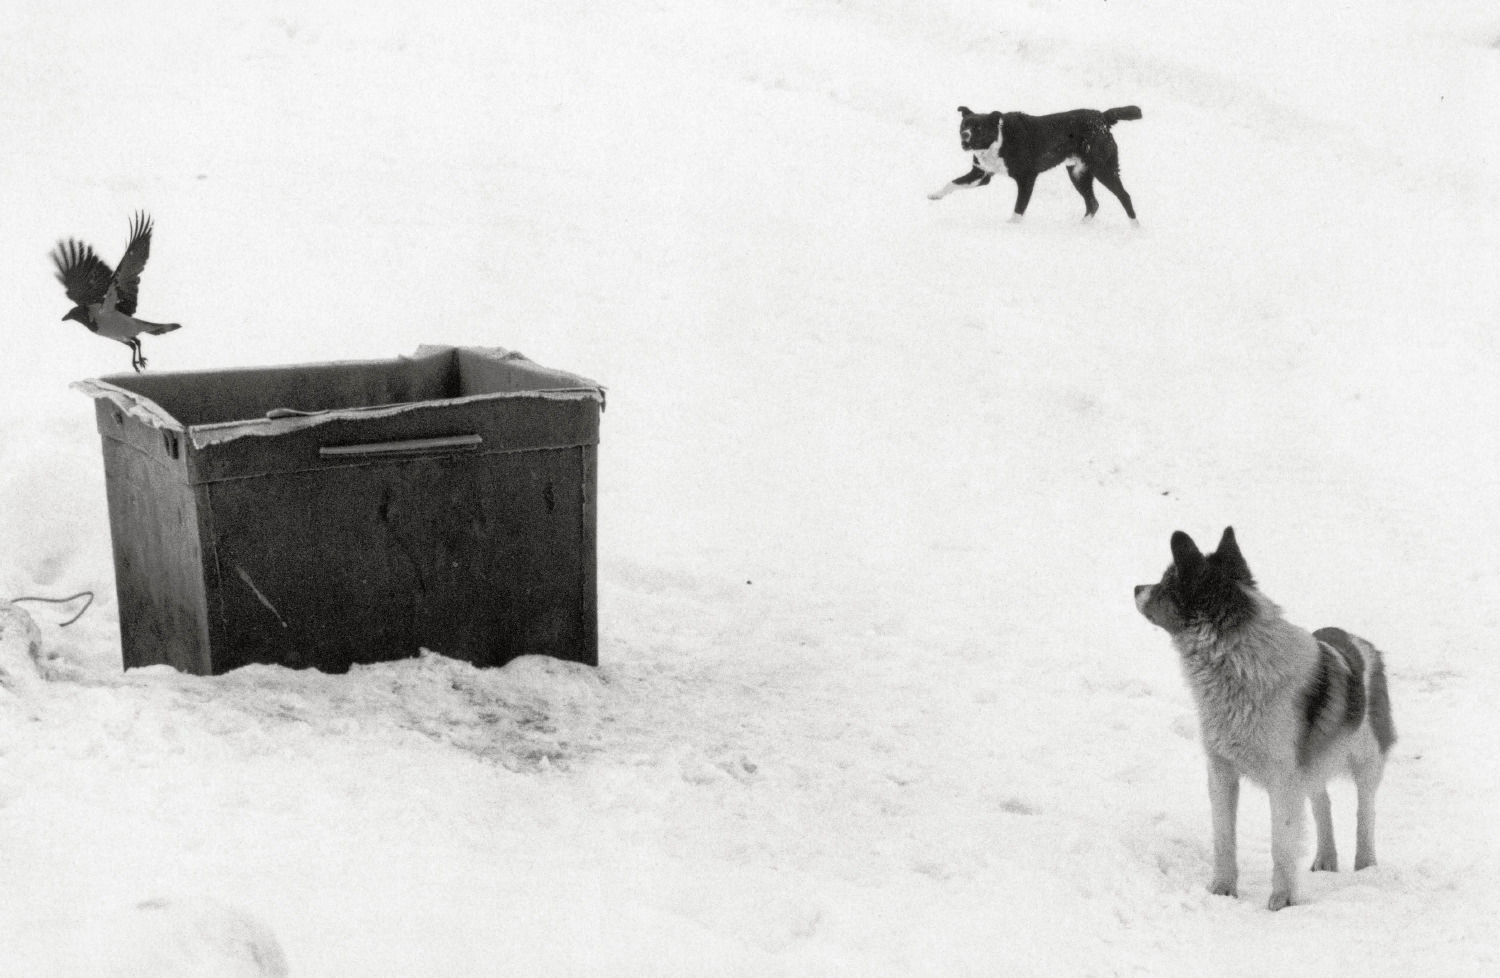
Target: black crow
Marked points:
106	299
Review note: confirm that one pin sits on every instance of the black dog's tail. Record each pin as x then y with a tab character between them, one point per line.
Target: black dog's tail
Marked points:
1112	116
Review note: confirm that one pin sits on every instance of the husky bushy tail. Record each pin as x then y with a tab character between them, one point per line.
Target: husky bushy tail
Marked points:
1121	114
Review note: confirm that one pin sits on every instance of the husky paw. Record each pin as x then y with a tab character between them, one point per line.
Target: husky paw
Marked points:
1279	900
1223	888
1326	864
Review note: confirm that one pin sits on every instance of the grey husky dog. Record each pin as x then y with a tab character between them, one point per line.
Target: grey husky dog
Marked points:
1287	709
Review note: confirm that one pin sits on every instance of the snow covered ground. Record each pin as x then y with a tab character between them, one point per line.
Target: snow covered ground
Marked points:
877	478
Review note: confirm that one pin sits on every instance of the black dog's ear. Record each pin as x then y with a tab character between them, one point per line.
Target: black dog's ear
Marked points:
964	109
1186	555
1228	557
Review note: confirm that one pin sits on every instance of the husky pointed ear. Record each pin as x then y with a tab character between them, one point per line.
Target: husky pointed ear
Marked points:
1186	555
1229	557
964	110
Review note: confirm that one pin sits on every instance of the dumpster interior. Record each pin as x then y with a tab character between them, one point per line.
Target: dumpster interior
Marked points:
215	397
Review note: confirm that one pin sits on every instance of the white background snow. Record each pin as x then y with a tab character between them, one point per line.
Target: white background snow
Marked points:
877	477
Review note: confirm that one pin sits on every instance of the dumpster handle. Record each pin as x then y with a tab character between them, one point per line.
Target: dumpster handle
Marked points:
409	447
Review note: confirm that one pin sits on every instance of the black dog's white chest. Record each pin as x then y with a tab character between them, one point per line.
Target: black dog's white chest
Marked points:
990	161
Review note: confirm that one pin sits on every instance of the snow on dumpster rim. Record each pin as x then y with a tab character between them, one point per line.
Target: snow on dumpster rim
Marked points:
285	421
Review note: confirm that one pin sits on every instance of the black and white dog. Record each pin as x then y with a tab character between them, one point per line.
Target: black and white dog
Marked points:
1022	146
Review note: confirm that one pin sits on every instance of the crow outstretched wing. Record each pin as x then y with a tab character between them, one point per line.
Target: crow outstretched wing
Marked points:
85	277
128	273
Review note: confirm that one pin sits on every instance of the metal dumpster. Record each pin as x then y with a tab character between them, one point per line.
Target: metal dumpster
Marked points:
338	513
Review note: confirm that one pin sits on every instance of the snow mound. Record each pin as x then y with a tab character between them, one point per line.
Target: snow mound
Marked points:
183	938
20	647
